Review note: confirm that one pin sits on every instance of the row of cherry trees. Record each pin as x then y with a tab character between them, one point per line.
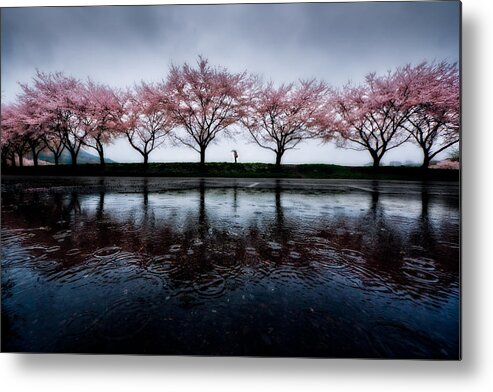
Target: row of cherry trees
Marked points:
196	105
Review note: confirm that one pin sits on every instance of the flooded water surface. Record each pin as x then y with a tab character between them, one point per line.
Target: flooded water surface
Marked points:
231	267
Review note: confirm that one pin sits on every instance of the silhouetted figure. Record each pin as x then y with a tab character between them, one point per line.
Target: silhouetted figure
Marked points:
235	155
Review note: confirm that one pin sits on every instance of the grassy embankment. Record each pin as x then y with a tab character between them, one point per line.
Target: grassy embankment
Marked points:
239	170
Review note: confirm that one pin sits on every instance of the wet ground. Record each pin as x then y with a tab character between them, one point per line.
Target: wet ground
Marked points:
230	267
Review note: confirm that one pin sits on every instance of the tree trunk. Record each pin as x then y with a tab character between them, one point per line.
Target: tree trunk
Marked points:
21	159
35	157
426	162
33	145
101	158
100	150
376	160
202	156
278	158
56	158
146	160
73	154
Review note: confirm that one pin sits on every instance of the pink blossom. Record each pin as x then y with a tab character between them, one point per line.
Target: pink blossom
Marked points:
278	119
205	102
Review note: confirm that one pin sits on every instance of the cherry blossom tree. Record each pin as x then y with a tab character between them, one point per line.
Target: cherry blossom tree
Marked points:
31	131
35	141
278	119
205	101
101	117
16	130
72	108
61	107
5	145
370	116
6	148
42	114
53	140
146	122
433	119
7	136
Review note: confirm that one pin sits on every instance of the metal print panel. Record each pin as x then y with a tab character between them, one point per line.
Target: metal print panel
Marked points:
238	180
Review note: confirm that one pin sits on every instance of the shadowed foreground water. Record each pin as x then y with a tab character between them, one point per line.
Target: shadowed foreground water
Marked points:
234	267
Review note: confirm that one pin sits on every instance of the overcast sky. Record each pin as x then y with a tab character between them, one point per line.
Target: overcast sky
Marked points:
336	42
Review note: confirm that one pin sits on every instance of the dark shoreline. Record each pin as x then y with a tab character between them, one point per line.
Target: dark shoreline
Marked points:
239	170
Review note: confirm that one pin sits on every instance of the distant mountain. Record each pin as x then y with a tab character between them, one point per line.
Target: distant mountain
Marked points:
65	158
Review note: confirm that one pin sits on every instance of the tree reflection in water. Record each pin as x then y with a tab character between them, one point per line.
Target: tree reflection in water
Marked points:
232	271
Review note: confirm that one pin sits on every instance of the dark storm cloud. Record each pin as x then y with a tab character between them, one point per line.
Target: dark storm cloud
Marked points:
34	30
79	39
121	45
325	40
